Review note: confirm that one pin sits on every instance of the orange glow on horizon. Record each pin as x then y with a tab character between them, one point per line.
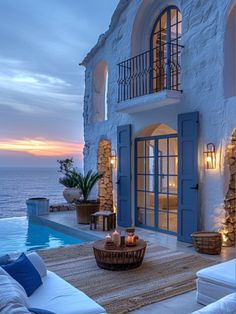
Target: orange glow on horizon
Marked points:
42	147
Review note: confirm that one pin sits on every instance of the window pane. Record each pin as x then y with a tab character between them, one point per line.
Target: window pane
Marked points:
162	165
150	218
141	216
141	165
141	148
173	222
141	199
150	199
141	183
162	220
173	203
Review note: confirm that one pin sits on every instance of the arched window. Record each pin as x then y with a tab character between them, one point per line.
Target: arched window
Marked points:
166	50
100	85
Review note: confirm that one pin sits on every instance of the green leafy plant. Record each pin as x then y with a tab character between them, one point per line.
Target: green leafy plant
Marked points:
70	174
86	183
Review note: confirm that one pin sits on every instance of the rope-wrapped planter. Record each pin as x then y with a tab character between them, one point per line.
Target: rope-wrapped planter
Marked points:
207	242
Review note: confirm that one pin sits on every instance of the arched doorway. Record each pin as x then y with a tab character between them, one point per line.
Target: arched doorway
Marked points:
156	157
105	187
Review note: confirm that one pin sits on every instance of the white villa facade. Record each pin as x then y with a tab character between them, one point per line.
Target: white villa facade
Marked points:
160	85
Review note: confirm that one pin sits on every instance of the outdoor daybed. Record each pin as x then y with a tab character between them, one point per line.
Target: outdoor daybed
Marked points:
54	294
216	286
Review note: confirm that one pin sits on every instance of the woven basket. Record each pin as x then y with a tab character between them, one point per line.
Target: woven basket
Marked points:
207	242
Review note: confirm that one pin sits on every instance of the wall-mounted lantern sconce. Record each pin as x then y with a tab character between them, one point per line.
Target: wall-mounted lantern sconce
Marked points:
113	159
210	156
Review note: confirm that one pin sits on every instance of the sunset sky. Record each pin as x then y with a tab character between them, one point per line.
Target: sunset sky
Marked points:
41	83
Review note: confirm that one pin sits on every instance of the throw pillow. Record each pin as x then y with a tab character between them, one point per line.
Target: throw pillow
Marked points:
12	296
5	259
23	271
38	263
40	311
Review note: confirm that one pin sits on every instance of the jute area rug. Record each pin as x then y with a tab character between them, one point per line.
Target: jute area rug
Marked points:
163	274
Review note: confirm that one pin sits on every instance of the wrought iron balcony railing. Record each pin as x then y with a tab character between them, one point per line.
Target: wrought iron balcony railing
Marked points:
152	71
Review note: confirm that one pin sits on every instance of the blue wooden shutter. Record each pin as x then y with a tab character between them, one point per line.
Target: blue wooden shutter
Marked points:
188	130
124	175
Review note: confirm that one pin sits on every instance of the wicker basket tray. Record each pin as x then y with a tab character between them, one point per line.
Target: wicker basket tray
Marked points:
207	242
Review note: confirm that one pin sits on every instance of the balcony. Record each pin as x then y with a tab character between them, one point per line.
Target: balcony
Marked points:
154	71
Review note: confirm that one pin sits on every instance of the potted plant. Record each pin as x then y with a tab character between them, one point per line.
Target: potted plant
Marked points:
86	207
71	192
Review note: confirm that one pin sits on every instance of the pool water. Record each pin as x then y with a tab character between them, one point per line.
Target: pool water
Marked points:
20	235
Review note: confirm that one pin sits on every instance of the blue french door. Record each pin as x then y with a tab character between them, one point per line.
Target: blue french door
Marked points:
156	182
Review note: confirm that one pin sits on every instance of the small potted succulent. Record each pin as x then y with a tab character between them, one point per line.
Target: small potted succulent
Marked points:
69	179
86	207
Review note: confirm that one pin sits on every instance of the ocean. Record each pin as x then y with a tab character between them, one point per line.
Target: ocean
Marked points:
19	184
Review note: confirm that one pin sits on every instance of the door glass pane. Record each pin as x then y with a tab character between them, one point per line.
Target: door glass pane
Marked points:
150	148
150	199
150	218
141	165
162	220
173	184
162	165
150	165
172	222
150	179
141	199
173	165
141	183
162	147
162	202
141	216
162	184
173	147
140	148
173	203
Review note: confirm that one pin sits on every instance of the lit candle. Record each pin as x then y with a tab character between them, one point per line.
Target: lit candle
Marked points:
108	238
116	238
130	239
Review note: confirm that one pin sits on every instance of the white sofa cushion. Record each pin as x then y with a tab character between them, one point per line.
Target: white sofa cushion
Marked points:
226	305
38	263
223	274
13	298
57	295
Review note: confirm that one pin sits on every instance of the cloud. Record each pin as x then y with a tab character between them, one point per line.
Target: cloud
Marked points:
42	147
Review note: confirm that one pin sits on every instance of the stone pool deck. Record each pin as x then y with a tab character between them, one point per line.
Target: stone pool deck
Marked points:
185	303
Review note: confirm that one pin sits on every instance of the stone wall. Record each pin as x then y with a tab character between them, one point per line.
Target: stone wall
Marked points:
105	184
229	226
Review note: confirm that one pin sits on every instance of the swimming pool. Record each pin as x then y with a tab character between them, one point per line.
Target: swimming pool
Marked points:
21	234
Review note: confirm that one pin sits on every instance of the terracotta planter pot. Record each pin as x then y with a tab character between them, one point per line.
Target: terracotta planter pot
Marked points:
71	195
85	210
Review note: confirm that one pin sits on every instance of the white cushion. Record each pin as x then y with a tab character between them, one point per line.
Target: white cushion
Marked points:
38	263
7	282
59	296
12	296
226	305
223	274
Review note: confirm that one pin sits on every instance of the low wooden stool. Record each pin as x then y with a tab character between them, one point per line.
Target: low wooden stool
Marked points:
107	216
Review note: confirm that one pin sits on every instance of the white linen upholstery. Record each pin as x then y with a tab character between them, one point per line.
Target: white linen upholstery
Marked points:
226	305
12	296
57	295
216	282
38	263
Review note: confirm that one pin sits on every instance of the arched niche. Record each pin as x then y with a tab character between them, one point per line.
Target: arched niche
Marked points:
230	53
100	82
105	187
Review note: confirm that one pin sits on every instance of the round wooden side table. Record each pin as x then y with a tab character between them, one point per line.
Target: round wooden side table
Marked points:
120	258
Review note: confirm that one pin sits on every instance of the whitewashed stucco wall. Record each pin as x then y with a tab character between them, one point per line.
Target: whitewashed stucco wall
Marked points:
203	89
